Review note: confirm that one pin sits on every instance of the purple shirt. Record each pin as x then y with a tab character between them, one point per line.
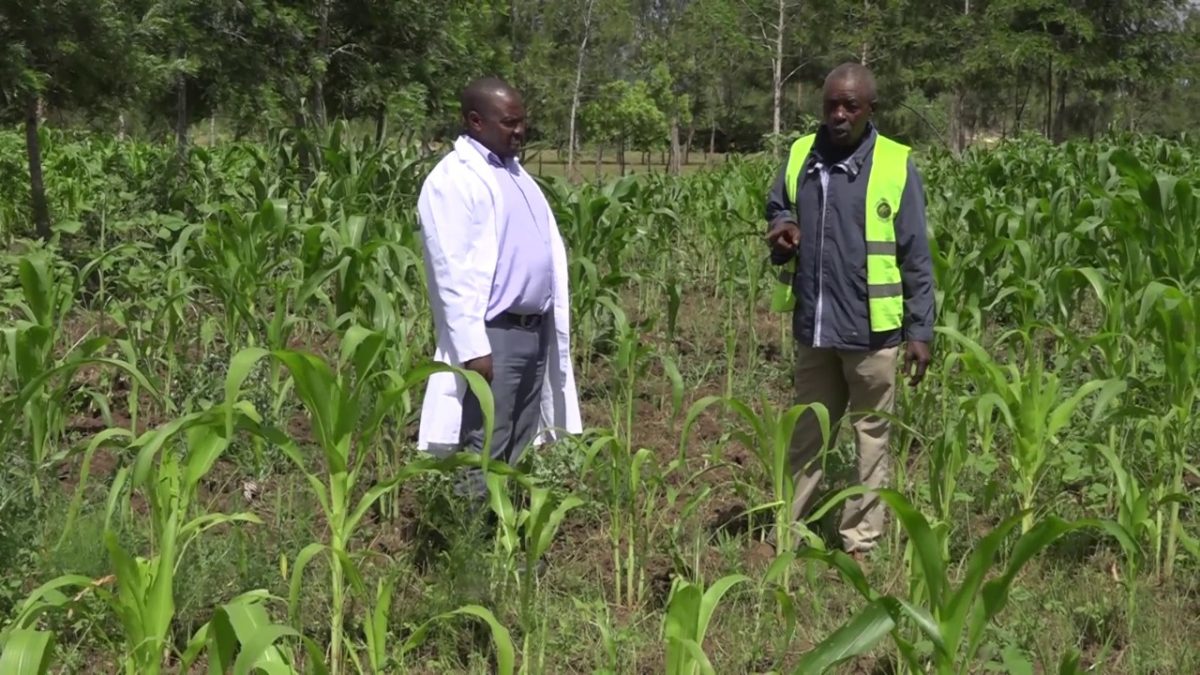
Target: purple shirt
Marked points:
524	281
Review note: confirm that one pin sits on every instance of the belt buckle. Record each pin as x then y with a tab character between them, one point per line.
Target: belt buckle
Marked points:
526	320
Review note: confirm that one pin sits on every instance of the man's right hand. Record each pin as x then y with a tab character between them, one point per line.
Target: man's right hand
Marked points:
481	365
784	237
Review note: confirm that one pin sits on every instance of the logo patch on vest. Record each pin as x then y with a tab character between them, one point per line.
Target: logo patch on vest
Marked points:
884	209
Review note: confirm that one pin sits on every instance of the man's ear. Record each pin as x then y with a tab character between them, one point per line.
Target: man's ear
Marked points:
474	121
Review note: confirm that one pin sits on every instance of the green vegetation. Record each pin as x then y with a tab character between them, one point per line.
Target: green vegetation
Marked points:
211	371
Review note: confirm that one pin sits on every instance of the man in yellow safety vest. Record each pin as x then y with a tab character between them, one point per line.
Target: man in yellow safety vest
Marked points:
846	220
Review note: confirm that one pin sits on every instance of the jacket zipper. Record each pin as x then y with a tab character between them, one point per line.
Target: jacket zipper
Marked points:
821	257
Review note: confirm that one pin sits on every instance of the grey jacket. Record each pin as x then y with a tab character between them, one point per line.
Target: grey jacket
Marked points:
831	274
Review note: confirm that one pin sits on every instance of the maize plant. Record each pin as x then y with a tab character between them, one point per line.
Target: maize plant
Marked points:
346	410
950	619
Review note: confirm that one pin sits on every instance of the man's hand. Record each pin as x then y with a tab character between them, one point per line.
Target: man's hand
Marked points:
481	365
784	237
916	362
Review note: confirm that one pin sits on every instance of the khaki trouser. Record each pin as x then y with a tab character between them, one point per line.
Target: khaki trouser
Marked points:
861	381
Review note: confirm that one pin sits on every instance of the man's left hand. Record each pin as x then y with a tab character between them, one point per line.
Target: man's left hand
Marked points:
916	362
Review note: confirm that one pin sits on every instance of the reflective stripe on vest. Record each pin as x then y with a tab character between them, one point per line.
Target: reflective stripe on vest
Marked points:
885	187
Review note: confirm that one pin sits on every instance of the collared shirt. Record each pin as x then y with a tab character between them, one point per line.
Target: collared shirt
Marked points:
831	277
524	281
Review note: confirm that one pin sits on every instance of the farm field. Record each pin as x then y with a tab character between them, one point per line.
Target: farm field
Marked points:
210	381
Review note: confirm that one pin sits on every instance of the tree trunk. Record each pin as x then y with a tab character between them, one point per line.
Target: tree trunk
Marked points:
866	46
712	143
120	127
958	116
777	82
37	187
571	135
621	156
181	115
318	85
1060	117
674	165
599	160
1022	104
687	147
1049	97
958	121
380	124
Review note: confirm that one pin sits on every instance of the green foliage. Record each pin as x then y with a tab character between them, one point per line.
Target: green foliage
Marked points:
251	310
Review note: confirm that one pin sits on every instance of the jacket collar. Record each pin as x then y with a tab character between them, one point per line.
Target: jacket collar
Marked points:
492	159
852	164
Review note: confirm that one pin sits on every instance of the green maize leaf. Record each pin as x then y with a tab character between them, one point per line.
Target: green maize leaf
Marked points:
501	639
27	652
925	542
786	427
208	521
694	414
418	467
640	459
680	623
778	566
133	585
114	494
1043	534
306	555
38	286
1069	665
546	526
46	597
102	438
205	446
149	444
32	387
846	566
834	501
958	607
376	629
712	597
292	452
1062	414
319	390
699	660
363	347
856	637
677	386
926	623
258	652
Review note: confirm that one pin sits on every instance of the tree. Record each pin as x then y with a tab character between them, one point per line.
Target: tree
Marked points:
69	54
625	113
576	90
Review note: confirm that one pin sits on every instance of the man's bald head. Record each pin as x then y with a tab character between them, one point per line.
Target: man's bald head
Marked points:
481	95
849	103
494	115
854	74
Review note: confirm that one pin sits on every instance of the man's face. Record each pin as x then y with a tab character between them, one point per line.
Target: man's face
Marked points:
500	126
847	111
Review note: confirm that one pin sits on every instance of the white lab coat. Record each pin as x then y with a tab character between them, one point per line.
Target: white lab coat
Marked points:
459	230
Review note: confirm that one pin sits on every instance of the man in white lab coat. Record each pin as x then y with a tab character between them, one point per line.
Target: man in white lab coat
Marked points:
497	274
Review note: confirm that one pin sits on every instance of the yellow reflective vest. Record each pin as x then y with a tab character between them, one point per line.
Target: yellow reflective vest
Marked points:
885	186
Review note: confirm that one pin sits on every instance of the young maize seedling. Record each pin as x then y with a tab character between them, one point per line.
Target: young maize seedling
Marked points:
952	620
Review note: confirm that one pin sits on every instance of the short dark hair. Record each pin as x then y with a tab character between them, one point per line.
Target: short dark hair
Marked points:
854	72
478	95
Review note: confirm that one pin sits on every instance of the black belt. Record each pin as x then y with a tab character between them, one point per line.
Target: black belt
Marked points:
527	321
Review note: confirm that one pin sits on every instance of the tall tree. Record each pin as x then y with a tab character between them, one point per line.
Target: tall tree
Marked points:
66	54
